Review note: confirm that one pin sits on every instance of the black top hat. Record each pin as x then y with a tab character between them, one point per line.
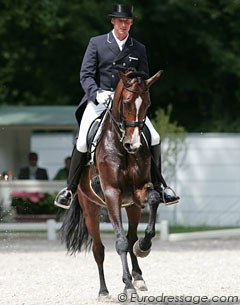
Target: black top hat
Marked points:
121	11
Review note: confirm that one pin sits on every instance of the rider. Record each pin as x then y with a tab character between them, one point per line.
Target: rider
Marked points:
99	78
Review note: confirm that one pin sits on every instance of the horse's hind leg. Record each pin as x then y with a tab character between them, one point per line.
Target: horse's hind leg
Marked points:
92	214
143	246
134	214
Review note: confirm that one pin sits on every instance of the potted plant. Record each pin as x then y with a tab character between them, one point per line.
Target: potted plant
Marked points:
33	206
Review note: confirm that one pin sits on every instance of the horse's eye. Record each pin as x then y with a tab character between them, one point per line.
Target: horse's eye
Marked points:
127	106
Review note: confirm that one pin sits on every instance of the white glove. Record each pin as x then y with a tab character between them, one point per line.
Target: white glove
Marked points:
103	96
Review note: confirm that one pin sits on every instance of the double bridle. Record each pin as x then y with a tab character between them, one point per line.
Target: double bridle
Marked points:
122	124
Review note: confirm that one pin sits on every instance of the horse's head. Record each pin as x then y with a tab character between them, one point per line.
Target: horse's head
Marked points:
131	102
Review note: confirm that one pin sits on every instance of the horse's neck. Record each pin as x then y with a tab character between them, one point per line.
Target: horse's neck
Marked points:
115	110
111	135
111	128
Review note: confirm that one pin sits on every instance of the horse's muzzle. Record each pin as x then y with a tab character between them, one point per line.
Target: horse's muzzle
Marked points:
131	148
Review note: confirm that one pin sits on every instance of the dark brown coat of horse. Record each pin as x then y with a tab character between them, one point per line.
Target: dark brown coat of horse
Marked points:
123	163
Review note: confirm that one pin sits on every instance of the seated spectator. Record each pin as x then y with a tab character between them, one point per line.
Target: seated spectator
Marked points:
32	171
6	175
62	174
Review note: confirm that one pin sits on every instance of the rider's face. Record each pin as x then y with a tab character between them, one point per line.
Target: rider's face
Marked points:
121	27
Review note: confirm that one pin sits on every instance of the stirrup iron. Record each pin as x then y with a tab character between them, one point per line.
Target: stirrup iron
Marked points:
164	194
64	206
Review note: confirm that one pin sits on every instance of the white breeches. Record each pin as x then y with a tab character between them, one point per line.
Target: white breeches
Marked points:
93	111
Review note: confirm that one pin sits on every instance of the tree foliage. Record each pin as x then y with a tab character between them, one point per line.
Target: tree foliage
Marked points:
42	45
195	42
173	139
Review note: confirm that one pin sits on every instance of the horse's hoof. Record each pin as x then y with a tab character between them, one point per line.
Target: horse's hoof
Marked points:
138	251
104	298
128	295
140	285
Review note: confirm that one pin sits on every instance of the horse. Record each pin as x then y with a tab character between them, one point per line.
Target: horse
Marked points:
123	164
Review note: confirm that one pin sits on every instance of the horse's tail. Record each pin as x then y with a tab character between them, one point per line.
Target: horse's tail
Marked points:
73	231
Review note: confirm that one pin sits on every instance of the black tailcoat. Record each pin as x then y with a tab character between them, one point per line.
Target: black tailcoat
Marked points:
98	69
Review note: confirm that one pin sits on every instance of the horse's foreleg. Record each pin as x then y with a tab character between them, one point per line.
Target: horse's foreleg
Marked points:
134	215
122	244
143	246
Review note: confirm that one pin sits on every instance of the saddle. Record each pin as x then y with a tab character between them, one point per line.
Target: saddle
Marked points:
94	133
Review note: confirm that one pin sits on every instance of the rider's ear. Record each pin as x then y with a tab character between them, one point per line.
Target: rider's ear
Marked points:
153	79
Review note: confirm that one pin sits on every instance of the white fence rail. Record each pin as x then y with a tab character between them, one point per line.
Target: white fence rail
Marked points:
162	230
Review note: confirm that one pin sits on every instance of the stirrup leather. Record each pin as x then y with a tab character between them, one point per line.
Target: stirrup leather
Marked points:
71	197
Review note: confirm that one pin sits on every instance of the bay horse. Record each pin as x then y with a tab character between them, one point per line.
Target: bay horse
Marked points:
123	163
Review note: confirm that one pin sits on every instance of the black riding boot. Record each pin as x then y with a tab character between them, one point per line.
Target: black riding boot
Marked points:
65	196
157	179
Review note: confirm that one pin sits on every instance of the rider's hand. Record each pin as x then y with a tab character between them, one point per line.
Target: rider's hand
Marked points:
103	96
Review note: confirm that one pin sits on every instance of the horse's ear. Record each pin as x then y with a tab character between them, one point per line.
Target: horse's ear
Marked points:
122	75
154	78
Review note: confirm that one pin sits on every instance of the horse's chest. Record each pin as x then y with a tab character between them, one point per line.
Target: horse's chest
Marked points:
134	170
131	178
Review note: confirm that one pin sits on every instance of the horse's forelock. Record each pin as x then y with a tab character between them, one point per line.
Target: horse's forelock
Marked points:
136	74
131	81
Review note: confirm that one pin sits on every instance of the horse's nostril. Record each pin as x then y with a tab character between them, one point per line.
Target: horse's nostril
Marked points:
127	146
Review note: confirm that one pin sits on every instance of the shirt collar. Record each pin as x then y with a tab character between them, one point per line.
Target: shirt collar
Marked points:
120	43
